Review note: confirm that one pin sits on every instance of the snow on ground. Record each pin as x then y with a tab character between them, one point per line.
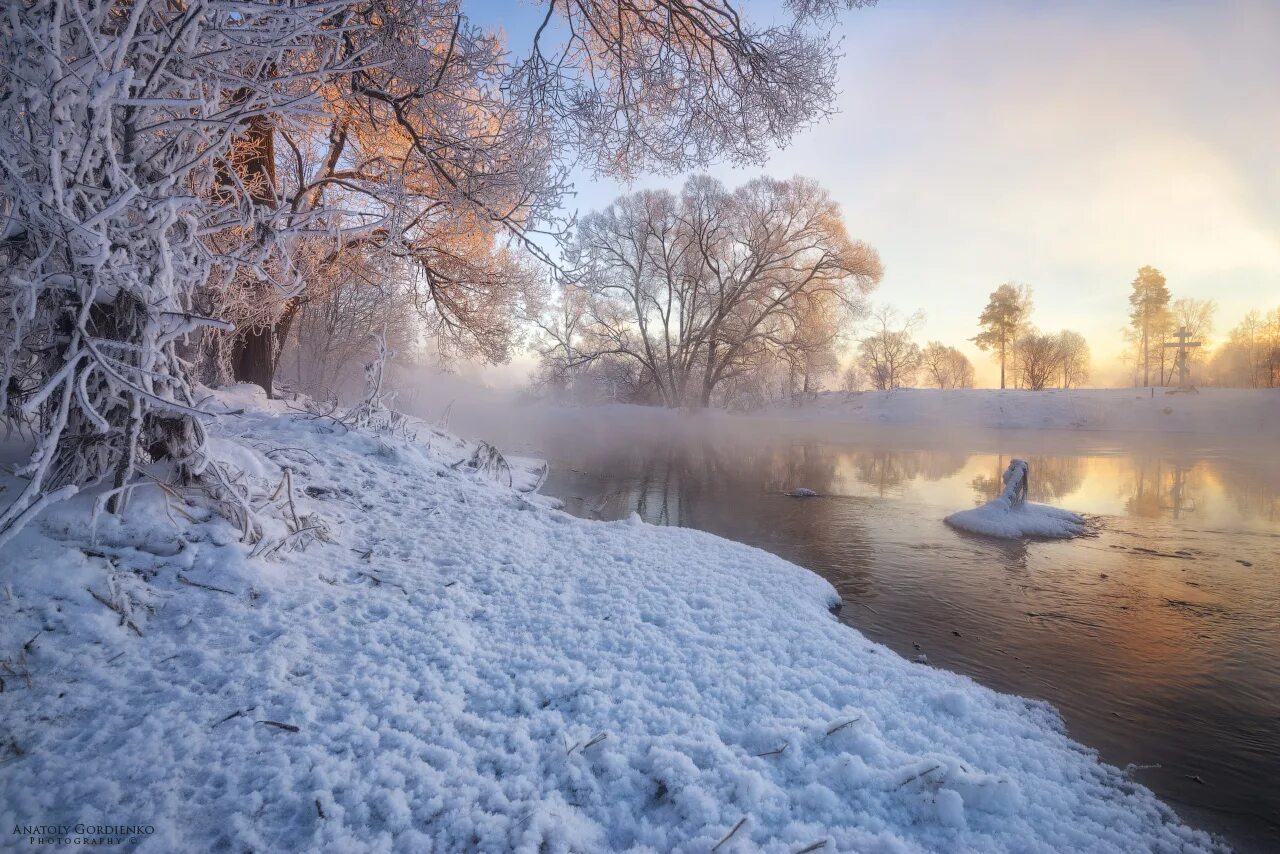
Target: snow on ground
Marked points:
465	669
1211	410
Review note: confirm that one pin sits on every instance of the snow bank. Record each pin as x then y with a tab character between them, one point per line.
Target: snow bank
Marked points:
1212	410
465	669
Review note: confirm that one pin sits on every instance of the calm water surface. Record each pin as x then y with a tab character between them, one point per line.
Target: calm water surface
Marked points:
1158	639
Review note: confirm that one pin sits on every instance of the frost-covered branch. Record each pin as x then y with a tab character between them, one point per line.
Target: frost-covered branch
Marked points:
122	202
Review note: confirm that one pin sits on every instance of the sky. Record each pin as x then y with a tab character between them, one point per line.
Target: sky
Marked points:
1061	145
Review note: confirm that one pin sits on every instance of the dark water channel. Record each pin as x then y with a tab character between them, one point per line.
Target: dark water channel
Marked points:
1158	639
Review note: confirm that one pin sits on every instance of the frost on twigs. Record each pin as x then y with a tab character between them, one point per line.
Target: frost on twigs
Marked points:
128	596
264	512
374	411
489	461
121	201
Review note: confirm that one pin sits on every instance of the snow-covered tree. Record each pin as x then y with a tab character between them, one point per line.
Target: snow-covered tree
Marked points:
121	201
449	146
699	289
174	174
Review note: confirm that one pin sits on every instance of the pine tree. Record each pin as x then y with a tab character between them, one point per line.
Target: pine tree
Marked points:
1001	321
1150	301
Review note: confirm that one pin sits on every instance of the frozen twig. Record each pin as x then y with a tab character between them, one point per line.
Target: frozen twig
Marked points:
182	578
236	714
813	846
124	617
841	726
730	834
917	776
280	725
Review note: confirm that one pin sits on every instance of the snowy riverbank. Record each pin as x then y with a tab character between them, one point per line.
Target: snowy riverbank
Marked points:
465	668
1210	410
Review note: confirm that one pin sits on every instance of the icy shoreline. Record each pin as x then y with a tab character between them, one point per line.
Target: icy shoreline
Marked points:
466	668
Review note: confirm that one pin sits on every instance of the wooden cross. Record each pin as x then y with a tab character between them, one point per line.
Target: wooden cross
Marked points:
1181	360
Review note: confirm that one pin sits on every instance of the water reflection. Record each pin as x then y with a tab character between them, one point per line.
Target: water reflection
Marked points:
656	478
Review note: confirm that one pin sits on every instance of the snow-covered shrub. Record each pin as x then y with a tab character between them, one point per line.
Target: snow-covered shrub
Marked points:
374	411
489	461
123	194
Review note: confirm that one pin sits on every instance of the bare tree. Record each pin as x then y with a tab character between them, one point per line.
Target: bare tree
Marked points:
946	367
1073	359
356	300
853	378
445	145
1251	356
889	357
701	288
1039	358
1196	317
665	84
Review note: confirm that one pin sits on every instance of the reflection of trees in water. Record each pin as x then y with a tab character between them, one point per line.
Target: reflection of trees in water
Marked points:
664	477
1254	488
1051	478
1156	487
1152	486
1159	487
888	470
658	497
733	488
672	477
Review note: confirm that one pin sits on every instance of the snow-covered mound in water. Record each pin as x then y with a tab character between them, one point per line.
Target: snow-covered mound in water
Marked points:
463	669
1010	517
1000	518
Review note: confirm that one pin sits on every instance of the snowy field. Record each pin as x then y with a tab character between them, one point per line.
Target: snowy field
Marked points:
1210	410
458	666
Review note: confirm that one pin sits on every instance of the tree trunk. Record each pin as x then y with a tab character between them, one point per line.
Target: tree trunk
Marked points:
1003	350
252	361
1146	357
254	351
708	378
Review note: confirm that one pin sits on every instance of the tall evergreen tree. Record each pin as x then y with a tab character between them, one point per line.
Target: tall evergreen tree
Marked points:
1001	321
1150	301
